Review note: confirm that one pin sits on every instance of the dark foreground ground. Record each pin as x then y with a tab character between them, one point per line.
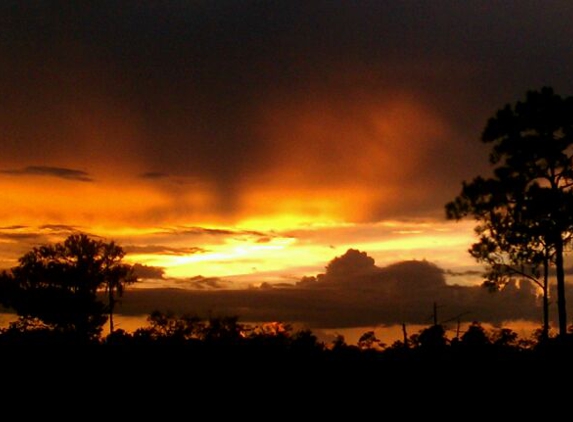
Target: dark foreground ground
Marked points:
223	374
174	382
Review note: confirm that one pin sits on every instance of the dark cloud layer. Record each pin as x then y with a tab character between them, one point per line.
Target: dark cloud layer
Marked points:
17	240
206	283
207	231
197	89
349	295
28	236
148	272
153	175
62	173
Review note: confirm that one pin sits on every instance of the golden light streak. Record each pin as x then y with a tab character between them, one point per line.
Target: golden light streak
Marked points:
443	243
225	260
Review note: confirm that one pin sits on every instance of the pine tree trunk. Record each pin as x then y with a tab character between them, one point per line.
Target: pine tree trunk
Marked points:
545	330
561	305
111	306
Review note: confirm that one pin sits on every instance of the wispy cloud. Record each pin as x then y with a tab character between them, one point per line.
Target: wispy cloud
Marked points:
163	250
169	180
30	236
16	235
453	273
153	175
59	172
15	227
60	228
152	277
206	283
195	230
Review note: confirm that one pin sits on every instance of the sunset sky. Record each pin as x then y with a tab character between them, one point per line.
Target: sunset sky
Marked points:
252	142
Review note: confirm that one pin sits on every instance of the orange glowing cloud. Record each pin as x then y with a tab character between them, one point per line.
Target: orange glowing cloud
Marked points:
354	160
38	200
327	159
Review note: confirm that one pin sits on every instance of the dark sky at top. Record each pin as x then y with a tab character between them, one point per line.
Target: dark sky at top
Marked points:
237	94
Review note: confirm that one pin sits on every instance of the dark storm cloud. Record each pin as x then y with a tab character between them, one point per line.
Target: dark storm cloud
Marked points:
364	295
181	86
62	173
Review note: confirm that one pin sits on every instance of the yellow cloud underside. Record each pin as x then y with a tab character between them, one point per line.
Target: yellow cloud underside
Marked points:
232	257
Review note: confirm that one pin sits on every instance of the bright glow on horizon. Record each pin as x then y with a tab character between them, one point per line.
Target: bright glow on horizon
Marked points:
308	250
272	246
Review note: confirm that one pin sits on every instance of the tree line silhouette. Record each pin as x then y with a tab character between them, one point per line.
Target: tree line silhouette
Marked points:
191	337
64	293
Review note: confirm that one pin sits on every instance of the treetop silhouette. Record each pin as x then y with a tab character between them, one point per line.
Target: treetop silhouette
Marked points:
59	285
525	211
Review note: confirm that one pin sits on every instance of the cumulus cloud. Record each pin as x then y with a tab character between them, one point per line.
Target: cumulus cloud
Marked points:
352	263
59	172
